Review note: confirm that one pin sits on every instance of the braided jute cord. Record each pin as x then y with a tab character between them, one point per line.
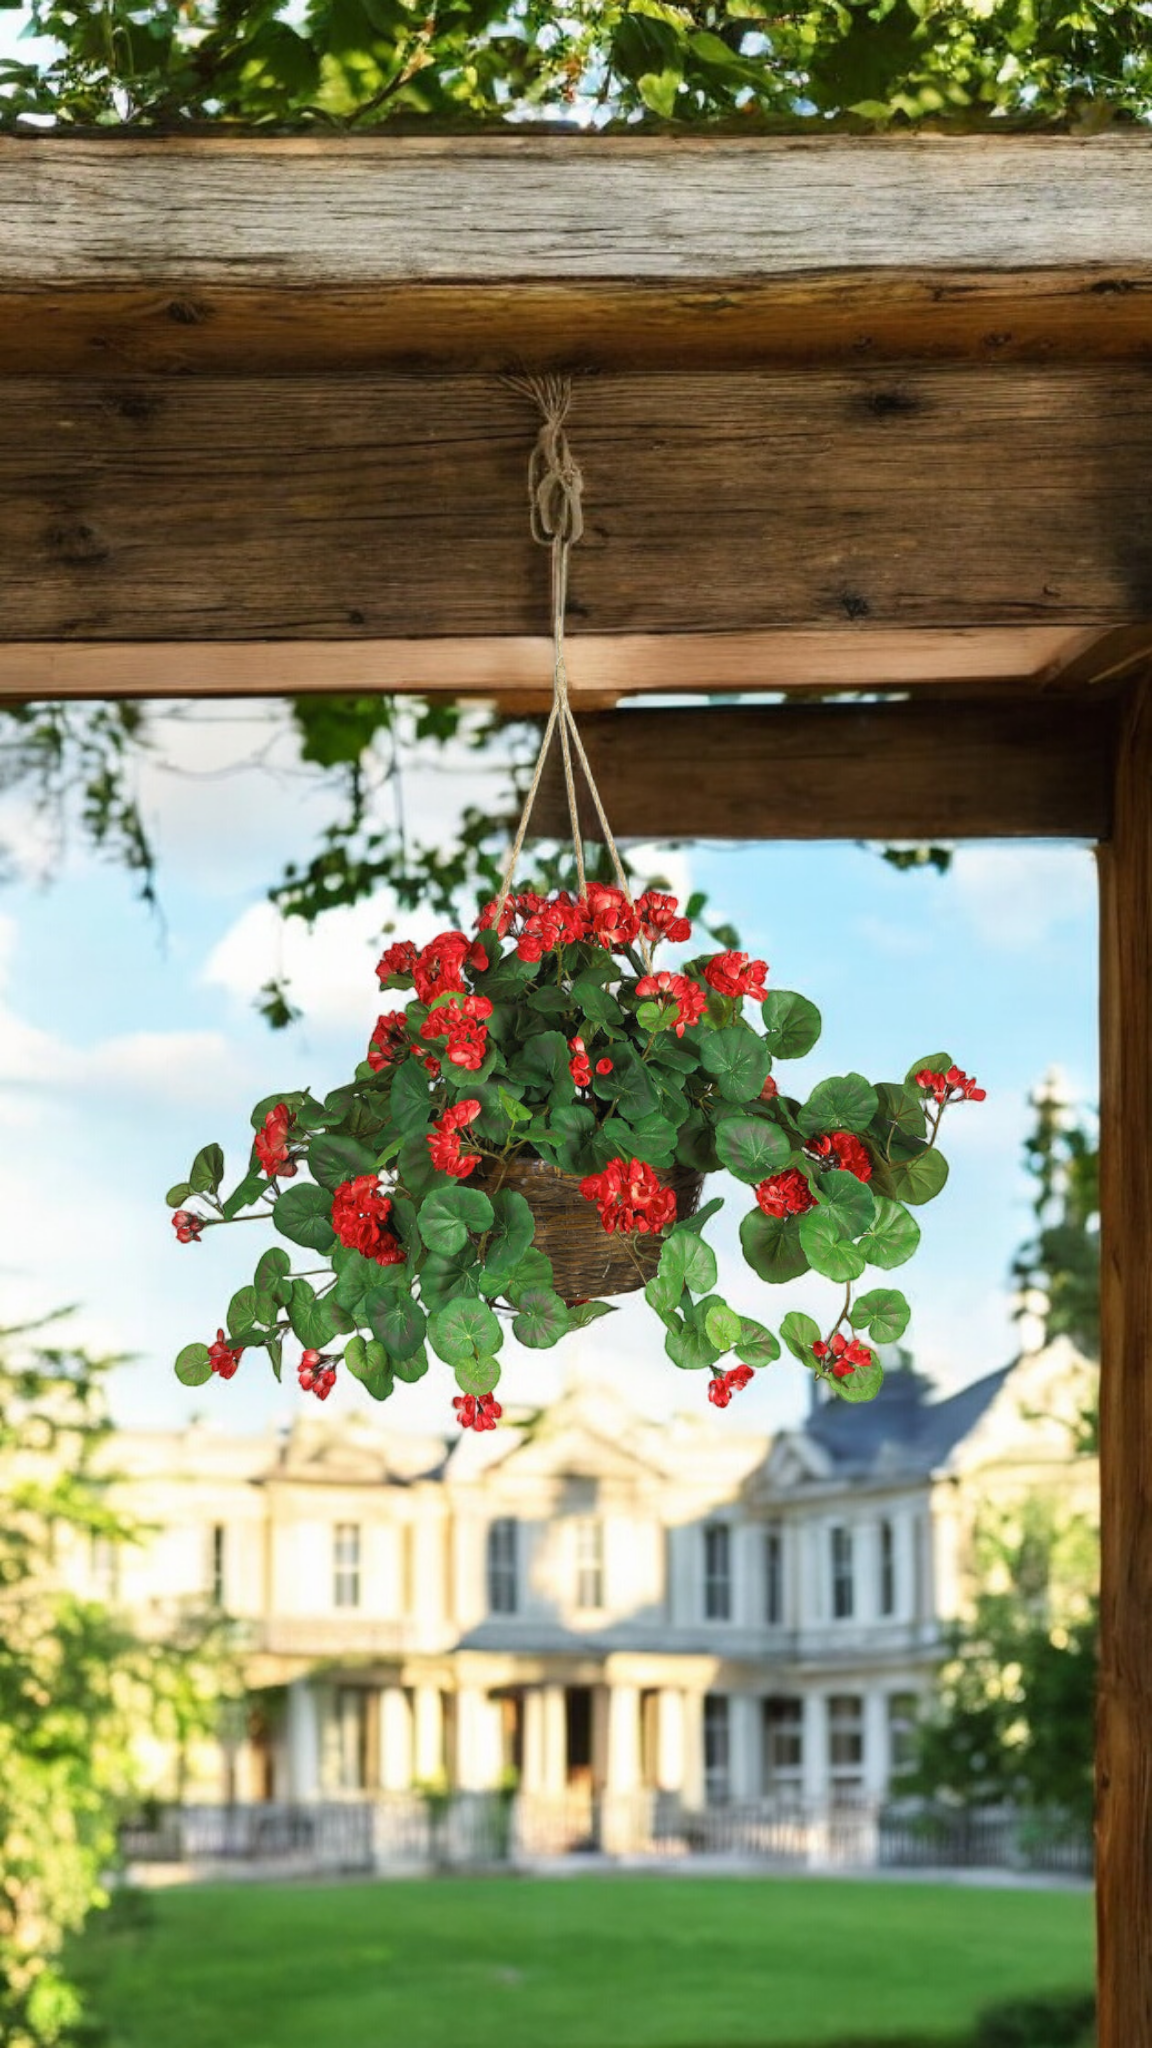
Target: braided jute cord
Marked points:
556	516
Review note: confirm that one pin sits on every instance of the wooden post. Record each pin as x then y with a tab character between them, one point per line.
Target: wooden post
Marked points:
1124	1739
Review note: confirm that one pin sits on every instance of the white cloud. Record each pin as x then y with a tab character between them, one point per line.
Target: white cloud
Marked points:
1019	897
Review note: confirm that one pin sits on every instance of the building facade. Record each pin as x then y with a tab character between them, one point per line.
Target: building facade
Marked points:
586	1604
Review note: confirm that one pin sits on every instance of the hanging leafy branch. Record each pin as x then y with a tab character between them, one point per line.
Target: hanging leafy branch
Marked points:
355	64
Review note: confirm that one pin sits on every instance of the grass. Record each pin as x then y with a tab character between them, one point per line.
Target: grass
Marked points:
618	1962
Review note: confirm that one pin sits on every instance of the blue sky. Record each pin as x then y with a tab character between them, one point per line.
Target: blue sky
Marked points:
123	1048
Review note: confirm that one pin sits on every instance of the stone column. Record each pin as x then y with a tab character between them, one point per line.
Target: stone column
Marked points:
693	1779
533	1780
670	1740
555	1721
302	1742
395	1740
815	1750
875	1743
744	1739
623	1773
428	1734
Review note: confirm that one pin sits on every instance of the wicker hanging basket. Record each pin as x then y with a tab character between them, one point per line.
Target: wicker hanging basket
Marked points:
587	1260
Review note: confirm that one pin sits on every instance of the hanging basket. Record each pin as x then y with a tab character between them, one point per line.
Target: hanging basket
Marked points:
587	1260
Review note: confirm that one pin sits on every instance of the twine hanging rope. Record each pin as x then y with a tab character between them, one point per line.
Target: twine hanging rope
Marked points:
556	517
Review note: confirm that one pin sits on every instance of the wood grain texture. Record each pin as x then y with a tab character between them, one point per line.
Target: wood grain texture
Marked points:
1124	1735
340	211
518	671
878	316
817	771
392	507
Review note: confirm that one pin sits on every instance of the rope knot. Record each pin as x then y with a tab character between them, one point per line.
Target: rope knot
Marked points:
555	479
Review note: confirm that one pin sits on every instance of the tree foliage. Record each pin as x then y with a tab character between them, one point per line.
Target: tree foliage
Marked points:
1059	1266
77	1685
358	63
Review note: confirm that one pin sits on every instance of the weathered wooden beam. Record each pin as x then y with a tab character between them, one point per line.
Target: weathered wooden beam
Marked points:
518	671
1124	1734
392	507
905	770
356	211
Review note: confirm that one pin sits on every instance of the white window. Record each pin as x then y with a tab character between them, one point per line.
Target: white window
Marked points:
846	1745
902	1707
843	1575
782	1735
346	1564
887	1588
589	1563
503	1566
718	1572
717	1749
351	1711
774	1577
217	1563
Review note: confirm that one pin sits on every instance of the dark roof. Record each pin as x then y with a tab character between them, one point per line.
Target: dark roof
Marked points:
904	1429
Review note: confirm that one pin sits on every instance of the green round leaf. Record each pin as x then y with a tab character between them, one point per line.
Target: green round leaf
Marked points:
772	1247
178	1194
828	1252
334	1159
893	1237
513	1228
465	1329
315	1321
686	1261
690	1348
448	1214
272	1269
409	1101
449	1279
248	1312
791	1024
478	1376
845	1103
915	1180
534	1271
848	1201
756	1345
738	1061
413	1368
207	1170
369	1363
936	1063
193	1365
861	1385
304	1214
751	1147
883	1312
722	1326
400	1324
542	1320
800	1333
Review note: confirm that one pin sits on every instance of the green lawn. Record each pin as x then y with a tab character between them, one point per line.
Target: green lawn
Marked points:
617	1962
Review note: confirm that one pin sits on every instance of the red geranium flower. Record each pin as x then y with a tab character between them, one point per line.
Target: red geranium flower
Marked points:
723	1385
953	1086
437	971
840	1148
477	1412
846	1354
389	1040
224	1358
612	919
444	1143
630	1197
579	1066
187	1226
396	963
604	1066
314	1376
272	1143
659	919
360	1219
785	1194
462	1023
687	997
733	974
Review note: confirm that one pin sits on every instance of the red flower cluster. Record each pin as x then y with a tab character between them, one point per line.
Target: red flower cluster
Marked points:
222	1358
769	1091
272	1143
444	1143
846	1354
360	1220
785	1194
734	974
477	1412
659	920
630	1196
315	1377
463	1023
396	963
840	1148
187	1226
389	1041
579	1066
439	969
687	997
723	1385
538	923
954	1086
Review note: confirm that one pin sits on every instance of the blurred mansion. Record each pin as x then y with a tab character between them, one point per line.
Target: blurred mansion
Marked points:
610	1614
